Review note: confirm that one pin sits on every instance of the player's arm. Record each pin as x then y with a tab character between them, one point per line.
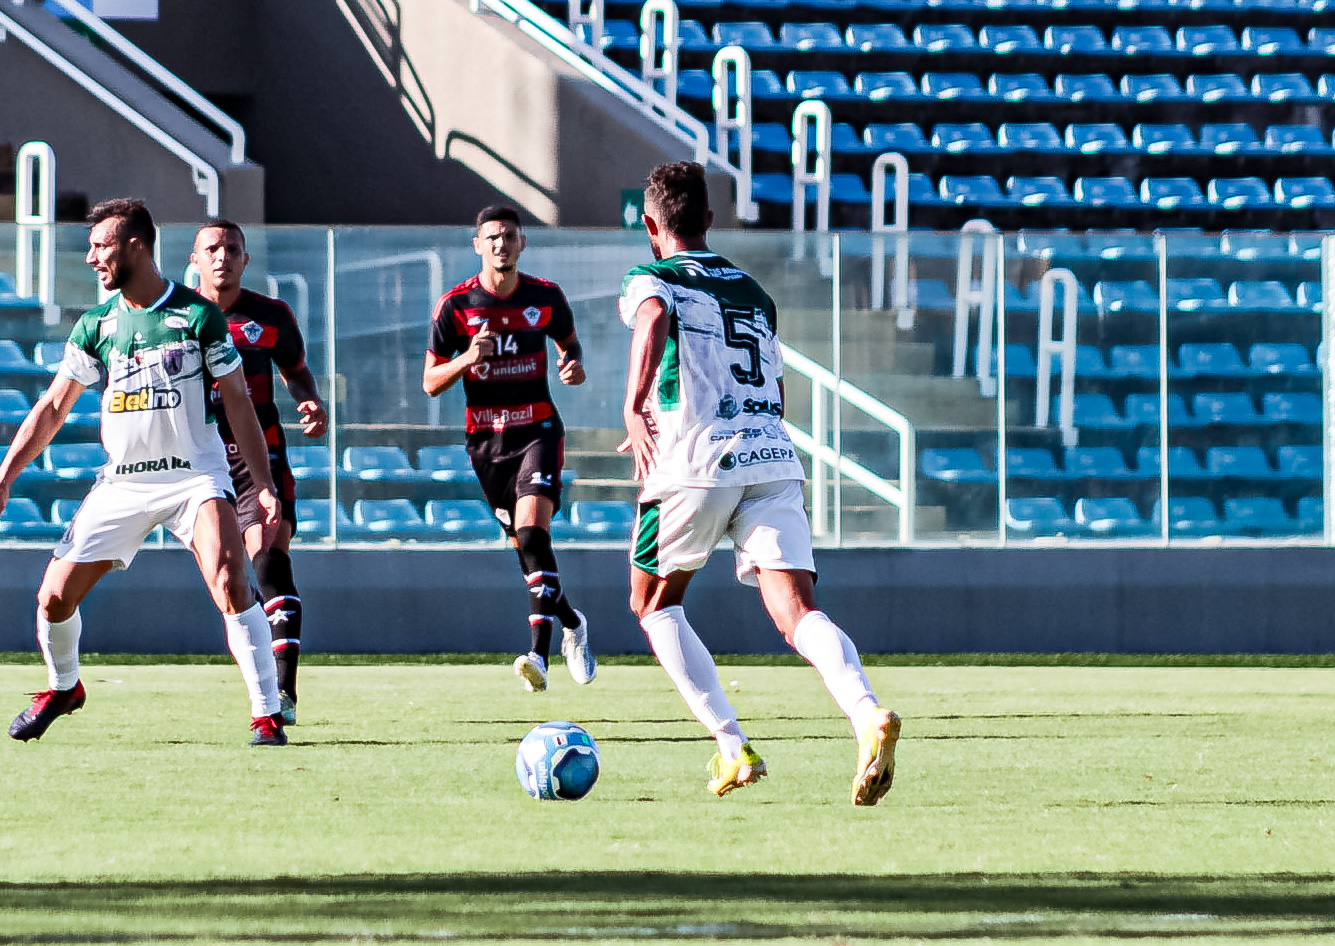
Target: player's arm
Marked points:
646	351
439	376
301	385
570	364
37	430
250	441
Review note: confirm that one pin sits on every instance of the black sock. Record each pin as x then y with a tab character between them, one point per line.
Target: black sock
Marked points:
282	605
546	601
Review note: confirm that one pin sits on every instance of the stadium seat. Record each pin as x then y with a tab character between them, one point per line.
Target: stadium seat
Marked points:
943	38
313	520
1030	136
22	519
848	188
1033	463
1281	358
603	521
1229	138
1139	40
1268	295
463	520
1253	245
1301	192
1248	463
1039	516
1283	407
766	84
617	34
1272	41
1094	463
379	464
952	85
75	461
1135	296
1106	192
1161	139
14	406
1095	137
48	355
879	86
1078	40
1299	462
1037	191
1234	193
1009	39
1170	193
446	464
1188	516
1160	87
1215	88
1118	243
1211	359
1183	464
1143	409
749	34
822	84
955	465
1321	41
14	362
811	37
309	463
1206	40
1309	296
693	37
772	187
904	136
391	518
971	189
1257	515
1284	87
1194	295
1231	407
844	139
1095	410
1092	87
1311	514
86	412
695	84
1114	516
1134	361
1296	138
877	37
1020	361
63	510
1024	87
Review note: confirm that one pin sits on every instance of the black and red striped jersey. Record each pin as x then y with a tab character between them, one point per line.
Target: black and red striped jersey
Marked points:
510	389
265	332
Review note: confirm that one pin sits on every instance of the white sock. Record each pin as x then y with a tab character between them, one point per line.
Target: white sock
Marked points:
249	640
691	669
60	649
828	649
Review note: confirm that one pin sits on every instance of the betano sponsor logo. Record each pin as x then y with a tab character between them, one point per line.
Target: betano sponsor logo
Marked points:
153	466
145	399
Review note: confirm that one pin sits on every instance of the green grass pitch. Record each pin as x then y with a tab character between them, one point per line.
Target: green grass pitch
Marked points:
1032	804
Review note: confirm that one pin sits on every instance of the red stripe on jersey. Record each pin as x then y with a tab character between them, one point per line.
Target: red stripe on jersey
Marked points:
501	319
503	418
435	359
267	338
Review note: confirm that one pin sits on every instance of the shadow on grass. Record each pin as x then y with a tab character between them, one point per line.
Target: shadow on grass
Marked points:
593	906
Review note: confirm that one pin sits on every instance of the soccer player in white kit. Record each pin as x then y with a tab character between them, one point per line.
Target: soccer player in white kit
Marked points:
703	415
160	347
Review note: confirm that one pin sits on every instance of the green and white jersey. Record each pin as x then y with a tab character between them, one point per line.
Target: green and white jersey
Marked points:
160	362
716	398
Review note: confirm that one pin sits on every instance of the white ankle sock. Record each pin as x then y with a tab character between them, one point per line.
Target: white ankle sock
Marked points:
828	649
691	669
59	642
249	640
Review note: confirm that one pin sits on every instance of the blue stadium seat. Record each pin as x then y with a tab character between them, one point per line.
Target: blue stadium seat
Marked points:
1283	407
695	84
1325	86
75	461
750	34
1009	39
1235	193
22	519
1078	40
1093	87
388	464
766	84
1113	516
879	86
876	37
1094	137
1284	87
1134	361
921	191
1160	87
1309	296
1229	407
1092	463
1211	359
844	139
1030	136
770	138
820	84
31	475
1134	296
1188	516
1017	300
1143	409
847	188
1272	41
86	413
1037	191
14	362
943	38
1206	40
48	355
1032	463
973	136
1301	192
1020	358
931	294
1268	294
309	463
1194	295
971	189
1138	40
14	406
1183	464
1248	463
811	37
772	187
463	520
391	518
1170	193
1292	138
1321	41
1024	87
1105	192
1094	409
904	136
1299	462
1039	516
952	85
1118	243
1229	138
1311	514
1257	515
63	510
1253	245
603	520
693	37
313	519
1089	363
1161	139
1218	87
618	34
1281	358
446	464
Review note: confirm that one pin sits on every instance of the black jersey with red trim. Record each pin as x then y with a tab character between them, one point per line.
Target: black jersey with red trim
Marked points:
265	332
509	390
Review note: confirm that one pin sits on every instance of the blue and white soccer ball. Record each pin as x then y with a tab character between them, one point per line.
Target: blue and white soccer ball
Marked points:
557	761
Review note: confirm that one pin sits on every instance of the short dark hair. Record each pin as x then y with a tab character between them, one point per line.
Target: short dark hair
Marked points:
498	212
135	219
222	223
678	194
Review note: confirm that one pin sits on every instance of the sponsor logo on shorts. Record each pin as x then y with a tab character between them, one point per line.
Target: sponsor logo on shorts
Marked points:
541	479
727	407
154	466
757	406
753	457
145	399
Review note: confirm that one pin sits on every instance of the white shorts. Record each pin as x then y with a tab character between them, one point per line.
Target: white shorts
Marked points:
767	523
115	518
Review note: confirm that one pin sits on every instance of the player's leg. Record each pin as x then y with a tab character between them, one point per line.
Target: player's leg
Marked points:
672	540
273	571
221	555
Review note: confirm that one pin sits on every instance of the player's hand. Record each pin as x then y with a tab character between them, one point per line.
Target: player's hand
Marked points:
570	370
483	345
314	418
639	443
273	515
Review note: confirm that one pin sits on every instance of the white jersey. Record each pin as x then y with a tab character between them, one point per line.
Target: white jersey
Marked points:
158	422
716	399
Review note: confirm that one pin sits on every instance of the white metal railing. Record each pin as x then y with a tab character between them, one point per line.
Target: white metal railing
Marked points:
983	295
812	130
1049	347
900	284
732	112
659	19
35	214
825	383
204	174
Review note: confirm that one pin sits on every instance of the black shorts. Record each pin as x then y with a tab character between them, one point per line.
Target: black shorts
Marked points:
247	496
526	461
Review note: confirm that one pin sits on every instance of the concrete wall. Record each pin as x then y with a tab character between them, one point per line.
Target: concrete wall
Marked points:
890	601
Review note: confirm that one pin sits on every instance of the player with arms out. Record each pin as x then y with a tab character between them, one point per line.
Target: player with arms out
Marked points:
161	347
492	332
703	415
266	334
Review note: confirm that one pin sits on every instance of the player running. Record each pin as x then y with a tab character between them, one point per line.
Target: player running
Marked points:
703	415
266	334
161	347
492	331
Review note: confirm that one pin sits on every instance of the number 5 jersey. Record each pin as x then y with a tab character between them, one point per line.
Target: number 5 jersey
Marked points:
716	400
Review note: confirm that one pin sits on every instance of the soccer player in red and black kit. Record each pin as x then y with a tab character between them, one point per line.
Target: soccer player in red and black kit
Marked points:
266	334
492	332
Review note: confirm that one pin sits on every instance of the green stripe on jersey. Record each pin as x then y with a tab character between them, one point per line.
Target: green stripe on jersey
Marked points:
645	553
669	367
713	275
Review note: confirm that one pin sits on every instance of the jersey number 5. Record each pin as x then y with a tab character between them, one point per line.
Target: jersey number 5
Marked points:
738	333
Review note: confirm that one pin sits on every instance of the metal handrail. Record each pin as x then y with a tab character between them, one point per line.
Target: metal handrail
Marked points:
169	80
902	496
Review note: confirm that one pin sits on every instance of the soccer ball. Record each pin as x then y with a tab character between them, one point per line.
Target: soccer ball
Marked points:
557	761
